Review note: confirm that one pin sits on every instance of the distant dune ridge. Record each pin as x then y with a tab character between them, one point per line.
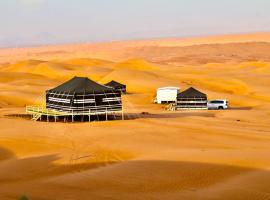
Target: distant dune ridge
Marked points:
160	155
117	51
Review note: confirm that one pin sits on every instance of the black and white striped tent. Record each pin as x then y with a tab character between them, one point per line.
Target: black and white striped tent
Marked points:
117	86
191	99
82	95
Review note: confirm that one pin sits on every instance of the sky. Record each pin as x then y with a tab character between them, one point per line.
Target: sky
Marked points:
30	22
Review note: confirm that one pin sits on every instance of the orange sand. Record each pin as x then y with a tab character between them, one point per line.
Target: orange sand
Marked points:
164	155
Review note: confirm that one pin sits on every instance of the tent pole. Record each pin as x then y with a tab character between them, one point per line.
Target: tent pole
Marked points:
72	117
82	115
89	116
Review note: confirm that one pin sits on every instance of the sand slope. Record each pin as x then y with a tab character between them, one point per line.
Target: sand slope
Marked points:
162	155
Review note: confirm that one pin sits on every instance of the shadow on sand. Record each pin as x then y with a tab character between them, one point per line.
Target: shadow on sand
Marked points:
6	154
127	116
38	167
146	115
40	178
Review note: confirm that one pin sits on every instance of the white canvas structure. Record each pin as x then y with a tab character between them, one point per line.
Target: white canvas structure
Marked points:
167	95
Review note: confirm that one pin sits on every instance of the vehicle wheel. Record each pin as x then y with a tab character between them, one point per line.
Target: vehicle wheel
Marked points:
220	108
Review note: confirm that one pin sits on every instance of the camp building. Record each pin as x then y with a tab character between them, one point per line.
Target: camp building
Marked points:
79	96
117	86
191	99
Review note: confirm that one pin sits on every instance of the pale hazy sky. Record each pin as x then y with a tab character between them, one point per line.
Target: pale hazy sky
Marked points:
105	20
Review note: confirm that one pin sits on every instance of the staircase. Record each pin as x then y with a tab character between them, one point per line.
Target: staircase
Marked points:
36	116
171	107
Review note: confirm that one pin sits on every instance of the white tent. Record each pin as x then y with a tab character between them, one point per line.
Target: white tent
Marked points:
167	95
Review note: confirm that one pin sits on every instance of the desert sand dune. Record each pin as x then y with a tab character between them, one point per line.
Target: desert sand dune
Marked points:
118	51
156	155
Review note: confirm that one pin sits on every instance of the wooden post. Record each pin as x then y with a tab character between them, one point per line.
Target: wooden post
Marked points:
54	118
47	116
96	114
89	116
106	114
123	115
38	114
72	117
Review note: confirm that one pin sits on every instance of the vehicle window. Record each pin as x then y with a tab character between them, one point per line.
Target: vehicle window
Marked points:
217	102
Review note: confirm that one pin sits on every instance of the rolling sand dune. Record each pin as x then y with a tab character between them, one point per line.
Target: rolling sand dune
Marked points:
118	51
159	155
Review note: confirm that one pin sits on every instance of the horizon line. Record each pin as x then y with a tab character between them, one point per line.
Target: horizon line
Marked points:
199	36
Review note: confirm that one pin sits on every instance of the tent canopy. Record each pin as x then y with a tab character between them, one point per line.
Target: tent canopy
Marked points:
191	93
81	85
115	84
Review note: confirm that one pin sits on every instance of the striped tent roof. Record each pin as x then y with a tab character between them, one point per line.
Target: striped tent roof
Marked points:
115	84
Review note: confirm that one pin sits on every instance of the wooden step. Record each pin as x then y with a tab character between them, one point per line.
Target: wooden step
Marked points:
36	116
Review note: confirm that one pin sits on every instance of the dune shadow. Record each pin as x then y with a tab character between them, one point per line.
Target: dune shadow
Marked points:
159	179
146	179
6	154
13	169
133	179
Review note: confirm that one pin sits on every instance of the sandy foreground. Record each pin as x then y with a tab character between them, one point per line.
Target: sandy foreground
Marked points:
160	155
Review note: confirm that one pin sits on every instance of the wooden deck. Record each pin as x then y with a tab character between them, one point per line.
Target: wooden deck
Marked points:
38	111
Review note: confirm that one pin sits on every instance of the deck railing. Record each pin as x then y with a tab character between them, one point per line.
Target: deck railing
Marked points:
38	109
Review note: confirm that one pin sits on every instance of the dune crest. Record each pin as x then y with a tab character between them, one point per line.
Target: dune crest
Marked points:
120	50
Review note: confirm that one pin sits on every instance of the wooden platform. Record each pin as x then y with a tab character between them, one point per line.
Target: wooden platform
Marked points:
174	107
38	111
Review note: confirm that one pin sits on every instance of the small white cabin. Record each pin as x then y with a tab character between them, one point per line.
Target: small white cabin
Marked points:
167	95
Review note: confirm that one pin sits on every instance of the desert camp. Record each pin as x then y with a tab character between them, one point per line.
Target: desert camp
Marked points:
134	100
194	154
81	97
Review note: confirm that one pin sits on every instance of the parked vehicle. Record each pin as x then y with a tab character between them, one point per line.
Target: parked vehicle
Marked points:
218	104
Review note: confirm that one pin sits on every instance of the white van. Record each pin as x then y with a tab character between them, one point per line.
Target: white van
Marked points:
218	104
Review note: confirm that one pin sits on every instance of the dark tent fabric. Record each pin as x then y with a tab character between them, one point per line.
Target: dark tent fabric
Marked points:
81	94
81	85
117	86
192	92
191	99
